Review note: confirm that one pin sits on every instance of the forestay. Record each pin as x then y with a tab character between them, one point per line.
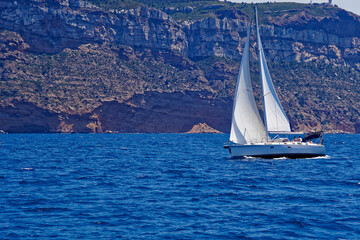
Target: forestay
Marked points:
275	117
246	126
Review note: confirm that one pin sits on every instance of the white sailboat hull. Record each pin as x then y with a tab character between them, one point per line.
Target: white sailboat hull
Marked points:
276	150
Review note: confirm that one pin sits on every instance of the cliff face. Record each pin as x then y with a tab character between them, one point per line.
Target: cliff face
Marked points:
302	38
71	66
151	112
50	26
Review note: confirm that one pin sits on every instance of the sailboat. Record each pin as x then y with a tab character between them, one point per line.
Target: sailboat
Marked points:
249	136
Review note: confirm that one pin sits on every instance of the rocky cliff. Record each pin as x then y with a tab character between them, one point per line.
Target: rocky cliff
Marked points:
85	66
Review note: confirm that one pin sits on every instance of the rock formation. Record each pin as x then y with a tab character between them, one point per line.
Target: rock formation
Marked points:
78	66
203	128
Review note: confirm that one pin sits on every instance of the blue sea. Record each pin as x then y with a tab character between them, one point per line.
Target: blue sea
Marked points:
173	186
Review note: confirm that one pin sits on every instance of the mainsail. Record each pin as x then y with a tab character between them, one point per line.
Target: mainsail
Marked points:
275	117
246	126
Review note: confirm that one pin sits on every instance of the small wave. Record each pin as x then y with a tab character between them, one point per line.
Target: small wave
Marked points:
321	157
175	172
245	158
103	223
142	176
226	194
49	209
27	169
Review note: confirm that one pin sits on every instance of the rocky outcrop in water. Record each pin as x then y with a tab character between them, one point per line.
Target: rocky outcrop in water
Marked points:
203	128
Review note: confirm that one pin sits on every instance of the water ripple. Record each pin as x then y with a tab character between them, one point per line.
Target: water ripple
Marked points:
173	186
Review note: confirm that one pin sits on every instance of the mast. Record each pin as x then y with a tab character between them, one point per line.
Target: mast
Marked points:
274	115
260	49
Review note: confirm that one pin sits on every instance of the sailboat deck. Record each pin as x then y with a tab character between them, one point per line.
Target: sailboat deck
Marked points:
284	143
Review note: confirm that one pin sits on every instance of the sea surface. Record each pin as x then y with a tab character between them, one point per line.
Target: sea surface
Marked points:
173	186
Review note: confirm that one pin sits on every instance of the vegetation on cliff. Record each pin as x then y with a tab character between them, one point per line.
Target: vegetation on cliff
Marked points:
78	80
196	9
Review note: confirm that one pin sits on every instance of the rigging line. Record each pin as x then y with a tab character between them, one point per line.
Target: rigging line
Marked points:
266	94
277	122
261	69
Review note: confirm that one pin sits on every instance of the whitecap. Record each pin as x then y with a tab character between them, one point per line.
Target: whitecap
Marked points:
27	169
322	157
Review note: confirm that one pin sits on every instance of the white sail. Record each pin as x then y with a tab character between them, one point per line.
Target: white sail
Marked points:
246	126
275	117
